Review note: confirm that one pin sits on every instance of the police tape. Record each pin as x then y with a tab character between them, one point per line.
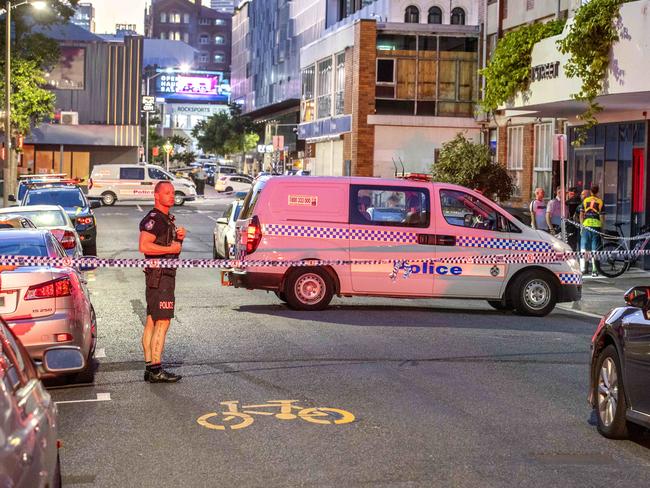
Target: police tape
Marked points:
538	257
605	235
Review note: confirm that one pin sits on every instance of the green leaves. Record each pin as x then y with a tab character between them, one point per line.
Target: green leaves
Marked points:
227	132
463	162
508	72
588	43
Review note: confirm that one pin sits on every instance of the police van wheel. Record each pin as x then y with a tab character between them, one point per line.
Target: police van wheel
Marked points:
501	305
534	293
179	199
109	198
309	289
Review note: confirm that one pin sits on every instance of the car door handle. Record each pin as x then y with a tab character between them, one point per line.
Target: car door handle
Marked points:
436	240
146	183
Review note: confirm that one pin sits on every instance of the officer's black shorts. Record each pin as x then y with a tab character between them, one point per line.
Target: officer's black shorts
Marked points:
161	300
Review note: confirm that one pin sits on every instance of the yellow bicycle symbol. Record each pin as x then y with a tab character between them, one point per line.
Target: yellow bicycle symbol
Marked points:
234	418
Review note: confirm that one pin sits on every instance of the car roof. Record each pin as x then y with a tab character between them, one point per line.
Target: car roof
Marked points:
24	233
54	188
31	208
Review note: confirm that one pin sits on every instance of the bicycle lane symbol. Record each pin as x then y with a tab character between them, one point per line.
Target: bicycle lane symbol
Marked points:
236	417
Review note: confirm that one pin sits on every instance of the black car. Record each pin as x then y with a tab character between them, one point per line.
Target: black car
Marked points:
76	205
619	376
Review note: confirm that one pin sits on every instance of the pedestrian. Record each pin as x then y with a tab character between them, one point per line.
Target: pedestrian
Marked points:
538	211
573	210
554	213
161	239
592	217
201	176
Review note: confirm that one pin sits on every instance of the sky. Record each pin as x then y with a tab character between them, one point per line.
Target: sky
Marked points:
111	12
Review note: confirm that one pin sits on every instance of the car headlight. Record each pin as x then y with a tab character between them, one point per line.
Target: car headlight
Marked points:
559	246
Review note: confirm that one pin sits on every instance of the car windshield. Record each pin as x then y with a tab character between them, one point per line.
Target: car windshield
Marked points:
65	198
20	245
40	218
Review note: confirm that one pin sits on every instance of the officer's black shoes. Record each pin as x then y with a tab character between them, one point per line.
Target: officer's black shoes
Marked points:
162	376
147	374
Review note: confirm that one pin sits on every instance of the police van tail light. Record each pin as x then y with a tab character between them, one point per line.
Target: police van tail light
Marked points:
253	235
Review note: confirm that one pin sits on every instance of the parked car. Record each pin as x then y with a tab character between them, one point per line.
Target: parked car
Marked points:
53	218
46	306
74	202
224	231
229	183
15	222
135	182
25	181
619	378
29	456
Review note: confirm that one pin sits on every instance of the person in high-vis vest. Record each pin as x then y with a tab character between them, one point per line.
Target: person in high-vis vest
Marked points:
592	216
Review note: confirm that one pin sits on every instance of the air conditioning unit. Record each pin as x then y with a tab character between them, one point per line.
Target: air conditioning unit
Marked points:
69	118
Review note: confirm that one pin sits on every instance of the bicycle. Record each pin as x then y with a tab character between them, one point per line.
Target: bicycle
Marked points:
620	257
317	415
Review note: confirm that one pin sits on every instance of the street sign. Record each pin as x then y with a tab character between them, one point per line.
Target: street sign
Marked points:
148	104
168	148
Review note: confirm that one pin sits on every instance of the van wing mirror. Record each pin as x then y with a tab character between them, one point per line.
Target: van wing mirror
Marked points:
639	297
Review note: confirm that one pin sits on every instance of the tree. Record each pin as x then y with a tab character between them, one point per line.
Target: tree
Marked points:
469	164
227	132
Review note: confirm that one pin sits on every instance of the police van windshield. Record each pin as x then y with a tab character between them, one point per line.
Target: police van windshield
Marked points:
252	198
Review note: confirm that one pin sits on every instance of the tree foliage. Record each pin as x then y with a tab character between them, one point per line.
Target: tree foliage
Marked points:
508	72
463	162
227	132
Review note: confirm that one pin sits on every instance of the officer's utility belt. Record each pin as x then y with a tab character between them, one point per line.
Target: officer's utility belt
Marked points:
154	275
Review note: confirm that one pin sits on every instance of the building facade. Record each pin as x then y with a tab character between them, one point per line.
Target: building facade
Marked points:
223	5
84	16
208	31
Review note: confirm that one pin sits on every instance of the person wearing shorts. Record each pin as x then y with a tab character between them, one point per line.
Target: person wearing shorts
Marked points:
159	239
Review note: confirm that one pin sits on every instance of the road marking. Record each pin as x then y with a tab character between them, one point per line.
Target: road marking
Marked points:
101	397
100	353
139	208
580	312
211	218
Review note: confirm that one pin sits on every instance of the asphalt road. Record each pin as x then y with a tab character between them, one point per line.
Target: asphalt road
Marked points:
443	393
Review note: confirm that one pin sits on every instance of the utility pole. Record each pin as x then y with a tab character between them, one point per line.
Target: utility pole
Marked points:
9	169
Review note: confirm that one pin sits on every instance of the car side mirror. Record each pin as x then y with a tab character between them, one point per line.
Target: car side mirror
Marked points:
222	220
11	198
95	204
63	359
639	297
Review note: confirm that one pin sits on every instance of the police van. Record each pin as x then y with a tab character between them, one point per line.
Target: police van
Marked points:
135	182
426	239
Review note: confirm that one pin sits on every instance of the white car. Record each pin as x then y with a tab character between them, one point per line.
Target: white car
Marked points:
224	231
229	183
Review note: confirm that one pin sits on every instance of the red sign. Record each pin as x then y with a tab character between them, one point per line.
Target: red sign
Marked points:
155	151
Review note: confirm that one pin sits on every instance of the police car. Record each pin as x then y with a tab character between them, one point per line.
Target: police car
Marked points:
442	238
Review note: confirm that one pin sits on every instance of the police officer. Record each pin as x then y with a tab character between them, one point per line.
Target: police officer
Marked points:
592	216
159	238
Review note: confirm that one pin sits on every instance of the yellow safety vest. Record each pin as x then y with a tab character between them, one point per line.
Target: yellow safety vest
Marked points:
592	207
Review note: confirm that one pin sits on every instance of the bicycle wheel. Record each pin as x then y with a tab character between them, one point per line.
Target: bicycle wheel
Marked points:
613	265
244	420
326	416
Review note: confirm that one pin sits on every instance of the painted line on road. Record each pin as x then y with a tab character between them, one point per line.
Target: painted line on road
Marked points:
580	312
100	353
211	218
139	208
101	397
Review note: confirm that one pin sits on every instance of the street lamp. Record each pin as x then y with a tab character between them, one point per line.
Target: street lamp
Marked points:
11	170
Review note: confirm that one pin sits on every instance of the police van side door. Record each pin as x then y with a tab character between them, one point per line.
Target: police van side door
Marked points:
467	227
386	222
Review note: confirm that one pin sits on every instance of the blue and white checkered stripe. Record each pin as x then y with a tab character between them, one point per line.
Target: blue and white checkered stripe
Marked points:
570	278
339	233
506	244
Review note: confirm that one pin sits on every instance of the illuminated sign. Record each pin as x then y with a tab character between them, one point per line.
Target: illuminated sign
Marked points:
205	86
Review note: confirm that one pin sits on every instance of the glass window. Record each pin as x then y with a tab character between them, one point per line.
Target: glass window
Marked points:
395	42
158	174
324	86
464	210
516	156
308	82
530	4
412	15
163	17
385	71
204	39
389	206
186	18
458	16
131	173
204	57
40	218
186	37
14	245
219	22
543	169
435	15
163	35
340	84
219	40
219	58
66	198
204	21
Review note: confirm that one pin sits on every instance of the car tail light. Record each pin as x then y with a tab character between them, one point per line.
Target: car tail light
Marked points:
85	220
63	337
50	289
65	237
253	235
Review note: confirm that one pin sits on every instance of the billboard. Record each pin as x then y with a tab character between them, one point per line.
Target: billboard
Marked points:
194	86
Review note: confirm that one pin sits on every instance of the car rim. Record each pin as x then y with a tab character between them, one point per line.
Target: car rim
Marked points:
178	200
607	392
310	288
108	199
537	294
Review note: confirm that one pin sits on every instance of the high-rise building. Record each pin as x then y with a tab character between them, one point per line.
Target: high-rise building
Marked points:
84	16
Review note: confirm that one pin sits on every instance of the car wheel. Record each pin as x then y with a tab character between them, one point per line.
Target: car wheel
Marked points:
609	393
281	295
109	198
309	289
534	293
229	189
502	305
90	249
179	199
